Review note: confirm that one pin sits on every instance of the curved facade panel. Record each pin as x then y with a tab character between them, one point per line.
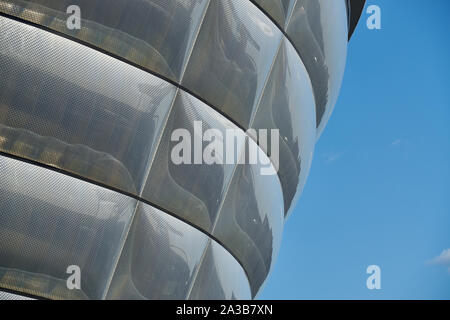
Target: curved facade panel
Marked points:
319	31
62	104
182	262
192	191
45	228
279	10
118	27
161	252
224	200
214	282
317	28
231	58
251	221
123	143
288	104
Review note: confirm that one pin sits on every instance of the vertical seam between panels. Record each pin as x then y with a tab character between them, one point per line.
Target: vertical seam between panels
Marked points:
119	254
163	127
194	278
225	194
194	42
252	118
147	173
288	20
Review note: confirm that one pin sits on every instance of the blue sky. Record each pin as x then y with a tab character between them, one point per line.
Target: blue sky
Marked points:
379	187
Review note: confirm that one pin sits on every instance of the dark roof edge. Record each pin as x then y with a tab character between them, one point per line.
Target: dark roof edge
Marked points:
355	8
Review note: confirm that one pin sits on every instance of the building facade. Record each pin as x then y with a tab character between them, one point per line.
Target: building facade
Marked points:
92	205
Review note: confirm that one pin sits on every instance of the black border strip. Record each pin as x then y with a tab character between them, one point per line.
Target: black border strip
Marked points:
355	10
128	194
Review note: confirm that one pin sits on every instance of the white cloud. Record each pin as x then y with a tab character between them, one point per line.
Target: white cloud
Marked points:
443	259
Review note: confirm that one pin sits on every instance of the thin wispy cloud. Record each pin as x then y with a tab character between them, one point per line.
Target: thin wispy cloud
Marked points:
397	142
330	158
443	259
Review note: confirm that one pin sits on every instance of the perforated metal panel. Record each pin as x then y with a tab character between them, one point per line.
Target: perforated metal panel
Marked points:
319	31
50	221
215	282
251	220
279	10
232	57
192	190
11	296
160	258
288	104
74	108
98	108
156	34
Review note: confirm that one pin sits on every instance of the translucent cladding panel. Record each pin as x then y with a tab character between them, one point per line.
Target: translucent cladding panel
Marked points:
288	105
232	57
160	258
279	10
220	277
156	34
182	180
318	29
50	221
74	108
251	220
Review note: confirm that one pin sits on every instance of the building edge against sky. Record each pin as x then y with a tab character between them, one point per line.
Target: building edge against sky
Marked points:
86	117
